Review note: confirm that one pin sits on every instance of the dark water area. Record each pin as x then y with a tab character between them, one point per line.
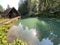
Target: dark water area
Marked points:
48	30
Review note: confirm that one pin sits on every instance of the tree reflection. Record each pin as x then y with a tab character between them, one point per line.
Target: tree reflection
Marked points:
49	29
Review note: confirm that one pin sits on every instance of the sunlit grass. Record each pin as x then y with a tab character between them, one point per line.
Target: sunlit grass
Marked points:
1	19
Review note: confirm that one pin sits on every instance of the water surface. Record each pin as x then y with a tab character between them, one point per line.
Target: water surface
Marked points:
48	29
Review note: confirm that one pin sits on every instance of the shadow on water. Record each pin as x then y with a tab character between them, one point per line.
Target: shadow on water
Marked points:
48	28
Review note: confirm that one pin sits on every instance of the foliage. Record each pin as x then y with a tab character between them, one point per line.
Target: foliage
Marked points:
40	8
23	9
48	6
1	9
3	37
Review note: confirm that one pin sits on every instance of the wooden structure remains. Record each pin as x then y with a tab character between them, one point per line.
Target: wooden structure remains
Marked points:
10	13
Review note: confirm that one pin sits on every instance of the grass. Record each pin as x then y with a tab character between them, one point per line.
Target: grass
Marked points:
1	19
3	37
4	28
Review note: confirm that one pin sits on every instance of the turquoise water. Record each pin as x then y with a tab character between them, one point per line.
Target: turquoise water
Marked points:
48	29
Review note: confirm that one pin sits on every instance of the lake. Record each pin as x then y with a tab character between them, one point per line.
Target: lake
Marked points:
47	29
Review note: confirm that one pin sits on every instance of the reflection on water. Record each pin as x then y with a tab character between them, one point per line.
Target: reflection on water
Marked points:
32	39
27	35
48	31
46	42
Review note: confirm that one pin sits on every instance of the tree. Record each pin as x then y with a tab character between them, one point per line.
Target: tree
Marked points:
33	7
48	4
23	8
1	9
8	6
